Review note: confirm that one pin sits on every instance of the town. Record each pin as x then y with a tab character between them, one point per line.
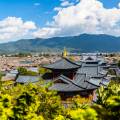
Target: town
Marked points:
71	74
69	79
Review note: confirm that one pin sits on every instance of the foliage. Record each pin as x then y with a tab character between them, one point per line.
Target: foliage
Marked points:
108	102
111	72
80	102
22	55
32	73
24	102
118	64
43	70
72	58
5	107
1	75
115	80
24	71
82	114
35	102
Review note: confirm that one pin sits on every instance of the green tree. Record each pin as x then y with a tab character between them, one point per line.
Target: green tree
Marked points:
43	70
24	71
118	64
25	102
108	102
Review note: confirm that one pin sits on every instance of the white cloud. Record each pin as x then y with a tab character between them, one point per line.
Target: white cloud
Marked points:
119	4
12	28
88	16
66	3
77	0
41	33
62	0
57	8
36	4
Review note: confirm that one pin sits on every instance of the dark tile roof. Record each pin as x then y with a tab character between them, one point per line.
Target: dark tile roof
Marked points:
63	64
95	81
89	58
27	79
78	84
92	70
89	76
63	78
82	80
93	62
88	70
117	70
60	87
103	72
105	82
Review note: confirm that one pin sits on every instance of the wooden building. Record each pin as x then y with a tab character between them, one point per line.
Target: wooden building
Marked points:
63	66
71	78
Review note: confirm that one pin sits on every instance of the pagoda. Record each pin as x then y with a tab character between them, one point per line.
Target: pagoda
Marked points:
63	66
71	78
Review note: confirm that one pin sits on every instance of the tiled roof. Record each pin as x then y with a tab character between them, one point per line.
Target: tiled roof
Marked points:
78	84
62	64
92	69
27	79
89	70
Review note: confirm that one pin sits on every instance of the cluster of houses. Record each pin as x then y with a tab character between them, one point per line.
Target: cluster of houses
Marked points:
71	78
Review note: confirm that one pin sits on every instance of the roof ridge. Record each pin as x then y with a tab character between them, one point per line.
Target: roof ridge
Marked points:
71	61
52	63
62	76
72	81
92	83
63	63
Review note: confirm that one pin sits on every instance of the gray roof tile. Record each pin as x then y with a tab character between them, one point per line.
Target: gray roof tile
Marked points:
27	79
63	64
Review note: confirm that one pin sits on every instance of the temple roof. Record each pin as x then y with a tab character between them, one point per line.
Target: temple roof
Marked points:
80	83
92	69
89	70
62	64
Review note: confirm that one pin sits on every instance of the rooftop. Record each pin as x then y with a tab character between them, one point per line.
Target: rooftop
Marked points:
80	83
27	79
62	64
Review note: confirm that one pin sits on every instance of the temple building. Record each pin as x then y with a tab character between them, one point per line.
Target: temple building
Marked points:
77	78
63	66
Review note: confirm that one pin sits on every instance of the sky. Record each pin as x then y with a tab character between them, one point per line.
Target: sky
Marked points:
21	19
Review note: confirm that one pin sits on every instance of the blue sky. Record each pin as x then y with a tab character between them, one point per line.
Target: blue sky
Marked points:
110	3
40	11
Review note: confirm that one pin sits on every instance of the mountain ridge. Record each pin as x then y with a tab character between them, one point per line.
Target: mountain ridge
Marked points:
83	42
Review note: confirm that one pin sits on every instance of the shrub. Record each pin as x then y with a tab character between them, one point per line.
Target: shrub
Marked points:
44	70
24	71
25	102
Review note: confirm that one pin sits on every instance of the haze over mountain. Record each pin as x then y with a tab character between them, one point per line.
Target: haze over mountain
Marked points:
83	43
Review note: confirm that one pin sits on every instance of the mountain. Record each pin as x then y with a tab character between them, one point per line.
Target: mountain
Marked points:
83	42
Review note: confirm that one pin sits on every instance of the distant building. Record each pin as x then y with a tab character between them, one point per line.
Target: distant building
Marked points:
23	79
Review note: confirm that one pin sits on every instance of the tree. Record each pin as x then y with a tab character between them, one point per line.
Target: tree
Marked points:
24	102
118	64
1	79
42	71
24	71
36	102
108	102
